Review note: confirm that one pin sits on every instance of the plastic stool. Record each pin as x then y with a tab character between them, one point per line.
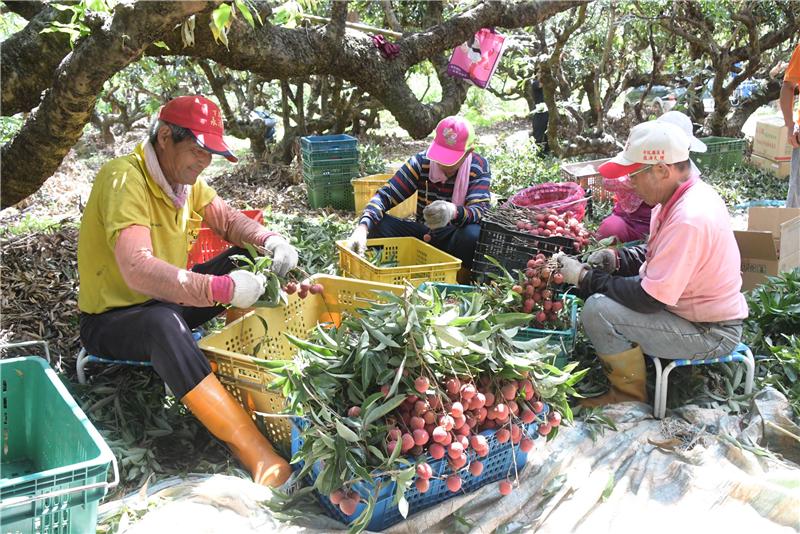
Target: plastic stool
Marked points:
741	353
84	358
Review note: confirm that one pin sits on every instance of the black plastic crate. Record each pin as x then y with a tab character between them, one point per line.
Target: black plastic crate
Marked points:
512	249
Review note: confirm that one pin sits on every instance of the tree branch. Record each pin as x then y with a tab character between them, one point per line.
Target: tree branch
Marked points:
47	136
29	58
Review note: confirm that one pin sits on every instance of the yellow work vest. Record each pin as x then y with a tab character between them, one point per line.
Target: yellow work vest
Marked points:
124	194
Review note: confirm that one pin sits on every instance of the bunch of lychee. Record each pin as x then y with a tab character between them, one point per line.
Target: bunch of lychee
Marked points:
452	427
536	291
303	288
550	223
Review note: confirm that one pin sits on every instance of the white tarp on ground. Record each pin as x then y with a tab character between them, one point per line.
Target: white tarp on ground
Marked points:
697	471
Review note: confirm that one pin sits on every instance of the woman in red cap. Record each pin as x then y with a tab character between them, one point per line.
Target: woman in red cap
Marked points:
138	301
453	185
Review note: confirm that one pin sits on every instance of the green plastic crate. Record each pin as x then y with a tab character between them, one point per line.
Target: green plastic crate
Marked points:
565	339
333	171
316	159
53	462
722	153
331	193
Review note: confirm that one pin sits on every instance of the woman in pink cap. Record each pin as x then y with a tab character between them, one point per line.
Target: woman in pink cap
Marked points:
630	219
453	185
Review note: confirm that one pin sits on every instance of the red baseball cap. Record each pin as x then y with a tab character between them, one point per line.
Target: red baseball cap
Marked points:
202	117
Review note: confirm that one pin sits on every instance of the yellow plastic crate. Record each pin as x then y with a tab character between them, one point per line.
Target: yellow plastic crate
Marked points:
237	351
418	262
365	188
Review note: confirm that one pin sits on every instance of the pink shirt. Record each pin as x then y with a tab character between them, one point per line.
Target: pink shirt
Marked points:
693	261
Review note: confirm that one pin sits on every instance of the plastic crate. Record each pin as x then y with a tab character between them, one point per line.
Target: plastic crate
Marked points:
54	463
335	193
322	159
365	188
564	339
512	249
586	175
210	244
230	350
418	262
328	143
338	171
722	153
497	465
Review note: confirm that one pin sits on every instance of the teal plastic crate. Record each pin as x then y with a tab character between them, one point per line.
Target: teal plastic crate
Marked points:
722	153
53	463
321	159
331	194
565	338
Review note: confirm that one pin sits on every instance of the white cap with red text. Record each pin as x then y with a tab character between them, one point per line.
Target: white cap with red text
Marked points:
649	143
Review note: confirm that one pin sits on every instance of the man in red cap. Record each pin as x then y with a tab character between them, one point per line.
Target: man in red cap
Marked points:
138	301
675	297
453	185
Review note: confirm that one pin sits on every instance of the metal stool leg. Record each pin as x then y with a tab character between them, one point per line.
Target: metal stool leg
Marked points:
662	402
750	362
657	393
79	366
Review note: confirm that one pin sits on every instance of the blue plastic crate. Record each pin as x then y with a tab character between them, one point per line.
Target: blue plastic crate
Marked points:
497	465
563	338
328	143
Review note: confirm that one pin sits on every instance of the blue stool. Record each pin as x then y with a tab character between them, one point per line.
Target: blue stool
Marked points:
84	358
741	353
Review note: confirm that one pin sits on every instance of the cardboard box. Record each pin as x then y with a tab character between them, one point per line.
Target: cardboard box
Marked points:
777	168
770	245
770	140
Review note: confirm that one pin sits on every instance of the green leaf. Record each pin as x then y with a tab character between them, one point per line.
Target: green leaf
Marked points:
386	408
161	44
345	432
221	16
245	11
403	507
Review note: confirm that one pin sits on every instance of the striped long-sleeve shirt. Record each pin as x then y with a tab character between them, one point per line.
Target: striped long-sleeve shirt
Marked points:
413	176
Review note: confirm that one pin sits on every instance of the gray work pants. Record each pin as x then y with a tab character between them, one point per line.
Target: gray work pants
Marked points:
614	328
793	198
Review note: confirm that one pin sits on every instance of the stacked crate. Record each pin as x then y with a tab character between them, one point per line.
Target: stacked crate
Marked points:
771	150
330	162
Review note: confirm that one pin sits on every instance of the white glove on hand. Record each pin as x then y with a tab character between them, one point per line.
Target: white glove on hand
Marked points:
284	255
570	268
247	288
357	242
604	259
439	213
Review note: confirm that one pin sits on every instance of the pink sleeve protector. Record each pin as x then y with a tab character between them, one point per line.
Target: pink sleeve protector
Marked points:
156	278
234	226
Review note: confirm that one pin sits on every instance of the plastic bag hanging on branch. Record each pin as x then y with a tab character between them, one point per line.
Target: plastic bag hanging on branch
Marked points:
477	59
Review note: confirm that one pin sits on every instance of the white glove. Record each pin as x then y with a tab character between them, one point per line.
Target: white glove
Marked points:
570	268
357	242
439	213
604	259
247	288
284	255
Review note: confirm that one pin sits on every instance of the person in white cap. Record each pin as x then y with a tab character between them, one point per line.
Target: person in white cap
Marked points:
677	296
630	218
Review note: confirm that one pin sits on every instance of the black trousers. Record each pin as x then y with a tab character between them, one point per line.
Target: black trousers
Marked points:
159	332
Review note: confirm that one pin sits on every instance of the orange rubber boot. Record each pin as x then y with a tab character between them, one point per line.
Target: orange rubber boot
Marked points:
227	420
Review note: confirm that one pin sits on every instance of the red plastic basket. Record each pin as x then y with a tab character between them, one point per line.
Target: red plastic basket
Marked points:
563	197
209	244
